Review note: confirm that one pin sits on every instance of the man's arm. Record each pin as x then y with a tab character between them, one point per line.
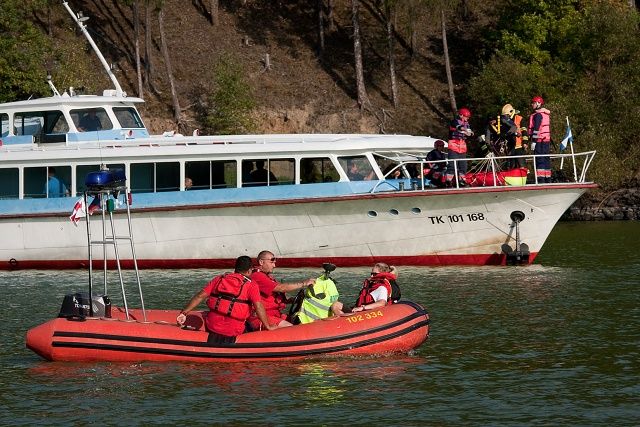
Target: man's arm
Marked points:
195	301
290	287
262	315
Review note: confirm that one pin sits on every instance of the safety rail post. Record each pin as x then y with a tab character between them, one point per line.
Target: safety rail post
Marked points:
90	252
133	252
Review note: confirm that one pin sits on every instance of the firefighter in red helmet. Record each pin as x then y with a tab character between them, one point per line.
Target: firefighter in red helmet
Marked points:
459	131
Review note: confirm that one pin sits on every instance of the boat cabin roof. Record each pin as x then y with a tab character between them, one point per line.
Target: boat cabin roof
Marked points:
65	101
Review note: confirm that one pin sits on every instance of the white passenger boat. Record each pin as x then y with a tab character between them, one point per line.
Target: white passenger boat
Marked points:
290	194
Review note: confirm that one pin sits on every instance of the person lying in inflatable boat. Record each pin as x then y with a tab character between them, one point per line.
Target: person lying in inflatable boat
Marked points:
377	291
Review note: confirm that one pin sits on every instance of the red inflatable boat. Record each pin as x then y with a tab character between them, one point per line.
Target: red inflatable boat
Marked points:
396	328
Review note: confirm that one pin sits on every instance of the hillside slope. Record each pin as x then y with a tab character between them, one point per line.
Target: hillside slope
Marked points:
299	93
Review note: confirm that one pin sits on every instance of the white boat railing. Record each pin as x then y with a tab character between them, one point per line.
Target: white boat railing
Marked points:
491	167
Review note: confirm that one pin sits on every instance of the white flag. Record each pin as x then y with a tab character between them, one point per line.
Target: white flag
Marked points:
79	211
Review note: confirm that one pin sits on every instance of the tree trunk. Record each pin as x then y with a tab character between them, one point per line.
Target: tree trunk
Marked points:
177	113
136	35
331	23
363	99
447	64
215	16
320	6
390	12
413	37
148	45
465	9
49	20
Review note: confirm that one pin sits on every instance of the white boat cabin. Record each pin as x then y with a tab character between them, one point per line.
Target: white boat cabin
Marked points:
51	144
70	118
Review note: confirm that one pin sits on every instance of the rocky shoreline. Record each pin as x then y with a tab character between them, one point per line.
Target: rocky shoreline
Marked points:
621	204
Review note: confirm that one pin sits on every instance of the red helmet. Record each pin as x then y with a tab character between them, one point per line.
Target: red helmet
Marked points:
537	99
464	112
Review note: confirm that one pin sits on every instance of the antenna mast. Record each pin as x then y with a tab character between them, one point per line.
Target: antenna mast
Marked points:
79	18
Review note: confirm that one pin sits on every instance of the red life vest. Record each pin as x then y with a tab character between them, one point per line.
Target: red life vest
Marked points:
229	296
371	284
457	146
543	133
457	139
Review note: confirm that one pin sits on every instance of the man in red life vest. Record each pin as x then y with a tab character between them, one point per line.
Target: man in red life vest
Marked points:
230	298
540	134
376	291
459	131
272	292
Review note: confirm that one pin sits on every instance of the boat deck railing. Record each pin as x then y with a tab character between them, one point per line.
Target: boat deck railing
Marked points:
566	168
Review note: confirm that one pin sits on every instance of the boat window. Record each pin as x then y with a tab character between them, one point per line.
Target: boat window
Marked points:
261	172
54	122
45	126
50	182
128	118
215	174
155	177
357	168
318	170
28	124
393	169
167	176
91	119
9	183
4	125
83	170
284	170
224	174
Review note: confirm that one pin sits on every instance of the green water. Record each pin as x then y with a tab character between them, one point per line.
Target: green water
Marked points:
555	343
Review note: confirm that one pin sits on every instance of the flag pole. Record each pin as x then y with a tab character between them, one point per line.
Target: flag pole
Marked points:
573	158
562	158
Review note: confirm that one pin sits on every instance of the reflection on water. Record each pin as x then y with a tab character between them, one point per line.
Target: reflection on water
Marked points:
556	343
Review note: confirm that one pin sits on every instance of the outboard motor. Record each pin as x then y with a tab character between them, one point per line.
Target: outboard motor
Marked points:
519	256
76	306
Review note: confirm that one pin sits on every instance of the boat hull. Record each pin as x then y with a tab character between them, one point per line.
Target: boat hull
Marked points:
398	328
467	226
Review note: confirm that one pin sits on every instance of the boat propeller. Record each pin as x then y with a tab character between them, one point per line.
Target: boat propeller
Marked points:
519	256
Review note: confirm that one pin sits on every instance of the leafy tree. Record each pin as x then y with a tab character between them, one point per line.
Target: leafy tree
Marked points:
231	102
582	57
22	49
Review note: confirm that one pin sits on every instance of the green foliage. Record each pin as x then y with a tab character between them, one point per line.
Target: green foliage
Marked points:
22	49
506	80
530	30
583	58
231	102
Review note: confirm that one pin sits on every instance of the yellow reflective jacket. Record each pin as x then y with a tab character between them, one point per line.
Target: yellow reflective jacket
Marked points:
317	300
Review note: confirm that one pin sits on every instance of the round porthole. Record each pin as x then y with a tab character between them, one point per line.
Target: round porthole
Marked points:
372	214
416	211
393	212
